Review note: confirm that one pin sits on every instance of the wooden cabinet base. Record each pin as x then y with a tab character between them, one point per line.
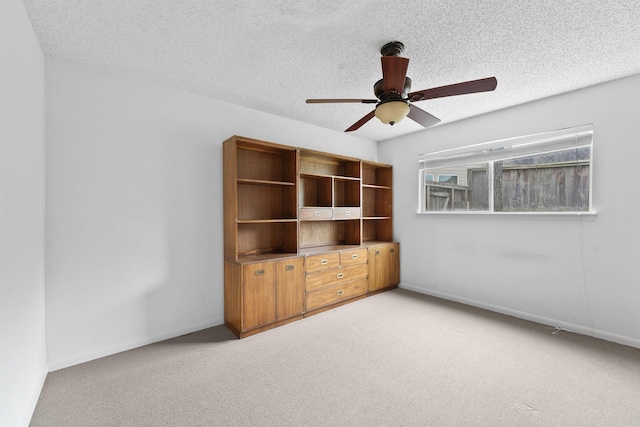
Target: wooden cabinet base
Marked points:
251	332
388	288
336	305
245	334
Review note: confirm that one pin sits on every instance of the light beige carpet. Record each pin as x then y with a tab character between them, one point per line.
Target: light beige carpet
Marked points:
394	359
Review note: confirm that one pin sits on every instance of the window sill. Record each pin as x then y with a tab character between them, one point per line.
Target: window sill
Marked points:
570	216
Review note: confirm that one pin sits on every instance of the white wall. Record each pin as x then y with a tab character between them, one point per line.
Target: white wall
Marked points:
578	274
134	198
22	295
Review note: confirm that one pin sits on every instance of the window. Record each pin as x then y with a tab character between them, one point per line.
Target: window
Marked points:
449	179
548	172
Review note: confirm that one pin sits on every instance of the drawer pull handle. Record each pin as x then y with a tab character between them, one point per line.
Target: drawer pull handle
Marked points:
340	292
347	213
354	256
377	252
260	272
316	213
324	261
339	275
392	250
289	267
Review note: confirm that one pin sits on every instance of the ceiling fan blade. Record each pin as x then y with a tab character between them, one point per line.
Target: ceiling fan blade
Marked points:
334	101
362	121
394	72
473	86
421	117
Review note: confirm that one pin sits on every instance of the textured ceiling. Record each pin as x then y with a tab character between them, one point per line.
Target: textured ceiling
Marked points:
272	55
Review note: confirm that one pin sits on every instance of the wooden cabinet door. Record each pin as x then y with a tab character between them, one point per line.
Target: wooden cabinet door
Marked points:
289	288
258	294
384	266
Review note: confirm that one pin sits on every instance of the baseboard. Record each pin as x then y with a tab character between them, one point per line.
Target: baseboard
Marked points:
35	395
580	329
118	348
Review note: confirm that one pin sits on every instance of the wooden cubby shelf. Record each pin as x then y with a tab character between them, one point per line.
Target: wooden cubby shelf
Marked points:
304	231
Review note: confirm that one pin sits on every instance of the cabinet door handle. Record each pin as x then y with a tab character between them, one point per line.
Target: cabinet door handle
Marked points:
289	267
340	292
324	261
354	256
392	250
377	252
260	272
339	275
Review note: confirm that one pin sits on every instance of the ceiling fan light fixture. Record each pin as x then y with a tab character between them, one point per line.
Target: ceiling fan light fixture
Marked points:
392	112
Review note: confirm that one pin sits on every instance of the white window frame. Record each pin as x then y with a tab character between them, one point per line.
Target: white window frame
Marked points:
557	140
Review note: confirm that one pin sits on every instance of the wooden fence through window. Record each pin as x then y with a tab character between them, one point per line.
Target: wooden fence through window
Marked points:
539	188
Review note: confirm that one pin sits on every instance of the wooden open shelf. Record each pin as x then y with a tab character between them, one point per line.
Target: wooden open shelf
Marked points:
377	202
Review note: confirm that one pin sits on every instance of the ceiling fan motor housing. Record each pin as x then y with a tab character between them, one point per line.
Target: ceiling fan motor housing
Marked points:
378	90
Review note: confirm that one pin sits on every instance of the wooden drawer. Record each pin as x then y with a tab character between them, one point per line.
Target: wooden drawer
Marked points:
323	279
322	262
336	293
316	213
355	256
346	213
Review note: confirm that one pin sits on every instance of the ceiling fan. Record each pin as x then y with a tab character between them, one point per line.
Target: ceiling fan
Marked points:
395	102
